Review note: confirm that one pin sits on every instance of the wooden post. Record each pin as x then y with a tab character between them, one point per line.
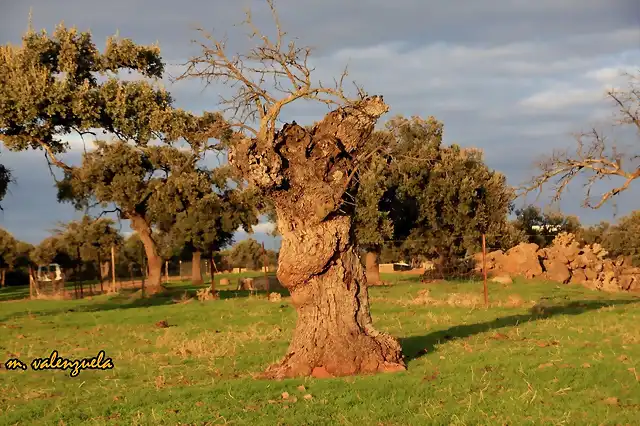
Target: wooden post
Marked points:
213	278
265	266
180	263
484	270
31	283
113	267
166	271
100	269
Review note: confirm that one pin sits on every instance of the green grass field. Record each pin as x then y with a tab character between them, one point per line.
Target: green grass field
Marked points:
570	359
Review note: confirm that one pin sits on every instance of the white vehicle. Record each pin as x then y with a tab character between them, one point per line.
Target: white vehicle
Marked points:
45	273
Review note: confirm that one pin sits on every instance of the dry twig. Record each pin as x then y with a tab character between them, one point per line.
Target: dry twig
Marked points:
595	155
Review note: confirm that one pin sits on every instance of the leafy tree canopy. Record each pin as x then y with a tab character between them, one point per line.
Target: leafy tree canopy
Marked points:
90	238
8	249
432	200
209	224
53	85
53	250
247	254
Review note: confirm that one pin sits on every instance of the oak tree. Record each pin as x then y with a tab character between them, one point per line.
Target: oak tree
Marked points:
308	175
8	253
430	200
132	255
91	239
55	85
53	250
209	224
249	254
148	185
5	179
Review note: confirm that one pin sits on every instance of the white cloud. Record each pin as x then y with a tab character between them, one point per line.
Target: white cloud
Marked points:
560	99
260	228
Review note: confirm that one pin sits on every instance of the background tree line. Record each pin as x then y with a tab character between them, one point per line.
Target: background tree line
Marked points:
418	199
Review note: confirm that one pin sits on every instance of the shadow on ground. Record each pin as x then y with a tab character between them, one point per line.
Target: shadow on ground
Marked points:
127	299
415	347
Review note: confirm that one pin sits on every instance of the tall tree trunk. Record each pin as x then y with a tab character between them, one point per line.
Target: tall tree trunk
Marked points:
100	272
2	277
372	267
196	270
307	174
334	333
154	261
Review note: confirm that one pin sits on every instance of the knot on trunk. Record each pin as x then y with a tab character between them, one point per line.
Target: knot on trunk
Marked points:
307	252
258	162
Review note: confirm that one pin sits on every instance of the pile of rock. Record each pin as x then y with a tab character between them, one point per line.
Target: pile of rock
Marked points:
565	261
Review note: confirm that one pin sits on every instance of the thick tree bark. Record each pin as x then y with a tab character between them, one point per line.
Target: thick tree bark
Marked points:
196	270
154	261
307	174
334	333
372	267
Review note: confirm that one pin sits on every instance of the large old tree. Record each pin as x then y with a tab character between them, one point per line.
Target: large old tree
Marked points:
598	157
307	173
55	85
149	186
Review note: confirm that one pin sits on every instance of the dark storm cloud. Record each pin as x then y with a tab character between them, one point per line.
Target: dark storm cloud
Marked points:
514	78
332	23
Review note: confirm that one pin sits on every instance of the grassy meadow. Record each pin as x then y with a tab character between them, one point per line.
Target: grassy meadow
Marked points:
540	354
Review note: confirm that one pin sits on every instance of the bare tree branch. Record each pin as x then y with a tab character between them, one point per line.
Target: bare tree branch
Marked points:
596	157
280	62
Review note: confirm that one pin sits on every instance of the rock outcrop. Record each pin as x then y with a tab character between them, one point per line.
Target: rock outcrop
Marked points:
565	261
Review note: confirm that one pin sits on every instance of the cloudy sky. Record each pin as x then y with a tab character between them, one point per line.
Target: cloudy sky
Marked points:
513	77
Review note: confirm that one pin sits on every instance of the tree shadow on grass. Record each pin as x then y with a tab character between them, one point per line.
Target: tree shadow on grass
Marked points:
127	299
415	347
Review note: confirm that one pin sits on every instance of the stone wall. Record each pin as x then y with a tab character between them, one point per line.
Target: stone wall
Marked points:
565	261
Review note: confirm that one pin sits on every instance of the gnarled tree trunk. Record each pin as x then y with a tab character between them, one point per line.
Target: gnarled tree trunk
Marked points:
372	267
334	333
196	270
154	261
306	173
